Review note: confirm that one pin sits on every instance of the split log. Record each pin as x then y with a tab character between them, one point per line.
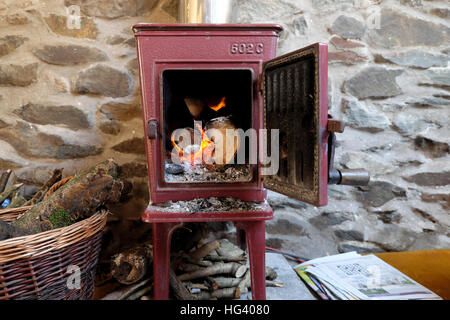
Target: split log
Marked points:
125	292
77	199
132	265
204	250
224	150
178	289
138	294
195	106
4	179
189	267
191	285
245	283
229	249
56	176
225	293
8	192
224	282
226	258
235	269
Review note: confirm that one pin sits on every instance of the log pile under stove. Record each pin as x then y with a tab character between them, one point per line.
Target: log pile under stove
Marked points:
212	268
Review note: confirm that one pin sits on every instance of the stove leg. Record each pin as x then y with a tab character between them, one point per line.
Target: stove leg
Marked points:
255	235
162	235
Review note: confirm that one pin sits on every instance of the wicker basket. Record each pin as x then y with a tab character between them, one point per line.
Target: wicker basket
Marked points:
35	267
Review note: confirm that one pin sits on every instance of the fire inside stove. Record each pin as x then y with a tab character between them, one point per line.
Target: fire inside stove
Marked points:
206	115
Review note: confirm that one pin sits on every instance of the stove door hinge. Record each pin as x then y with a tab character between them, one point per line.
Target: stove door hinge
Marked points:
152	128
354	177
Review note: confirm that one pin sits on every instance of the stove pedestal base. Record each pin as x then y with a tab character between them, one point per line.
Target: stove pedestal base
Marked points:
251	223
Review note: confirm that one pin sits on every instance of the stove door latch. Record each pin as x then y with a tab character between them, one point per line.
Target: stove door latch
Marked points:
152	128
354	177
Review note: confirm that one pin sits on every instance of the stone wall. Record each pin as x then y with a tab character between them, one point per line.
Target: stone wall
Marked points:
70	98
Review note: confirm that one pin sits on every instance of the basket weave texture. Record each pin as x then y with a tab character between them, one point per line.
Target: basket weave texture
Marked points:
40	266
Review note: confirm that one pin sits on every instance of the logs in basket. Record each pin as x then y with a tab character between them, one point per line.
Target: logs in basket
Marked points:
45	266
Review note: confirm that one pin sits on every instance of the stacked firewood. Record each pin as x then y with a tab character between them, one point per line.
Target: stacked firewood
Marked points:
215	269
218	269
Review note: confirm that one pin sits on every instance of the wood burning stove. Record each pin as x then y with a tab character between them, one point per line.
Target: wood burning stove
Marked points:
198	65
199	77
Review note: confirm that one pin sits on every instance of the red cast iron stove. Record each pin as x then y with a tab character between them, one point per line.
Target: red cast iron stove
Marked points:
288	93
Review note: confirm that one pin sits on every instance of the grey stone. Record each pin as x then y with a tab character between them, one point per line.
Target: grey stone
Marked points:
358	160
133	145
300	26
326	6
10	43
103	80
31	142
252	11
116	39
121	111
111	9
33	175
431	101
412	3
359	247
362	116
3	124
279	202
327	219
431	148
109	126
409	123
438	76
374	82
392	237
285	227
377	193
349	235
173	168
397	29
388	216
417	58
348	27
69	54
68	116
430	179
18	75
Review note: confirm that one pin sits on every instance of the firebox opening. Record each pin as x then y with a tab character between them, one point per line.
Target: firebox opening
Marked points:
201	108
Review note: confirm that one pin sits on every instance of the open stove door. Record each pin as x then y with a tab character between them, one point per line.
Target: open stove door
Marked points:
295	93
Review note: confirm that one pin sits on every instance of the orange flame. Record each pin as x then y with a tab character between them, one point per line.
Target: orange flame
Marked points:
219	106
202	154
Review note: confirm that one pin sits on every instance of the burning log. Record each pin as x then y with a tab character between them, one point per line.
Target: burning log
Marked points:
235	269
195	106
78	198
132	265
4	179
224	152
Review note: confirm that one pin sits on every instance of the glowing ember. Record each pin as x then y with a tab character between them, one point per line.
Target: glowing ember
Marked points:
197	153
219	106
